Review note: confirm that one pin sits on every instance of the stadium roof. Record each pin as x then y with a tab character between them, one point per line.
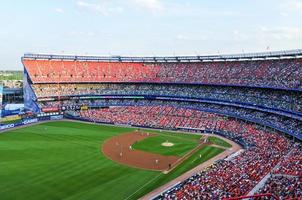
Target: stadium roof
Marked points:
206	58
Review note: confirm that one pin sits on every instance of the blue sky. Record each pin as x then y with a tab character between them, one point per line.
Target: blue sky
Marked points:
146	27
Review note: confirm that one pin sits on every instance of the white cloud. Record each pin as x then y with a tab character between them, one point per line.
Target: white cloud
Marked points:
281	33
82	34
284	14
192	9
59	10
292	5
268	34
103	7
239	36
108	7
150	5
182	37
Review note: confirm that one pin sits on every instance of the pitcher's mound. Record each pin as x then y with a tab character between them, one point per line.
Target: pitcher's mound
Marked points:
167	144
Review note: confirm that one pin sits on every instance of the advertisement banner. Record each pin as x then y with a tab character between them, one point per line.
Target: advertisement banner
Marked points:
46	99
11	118
30	121
56	117
53	109
84	107
71	107
6	126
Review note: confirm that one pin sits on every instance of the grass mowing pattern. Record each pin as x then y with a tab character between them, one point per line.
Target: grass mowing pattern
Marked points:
62	160
154	144
219	142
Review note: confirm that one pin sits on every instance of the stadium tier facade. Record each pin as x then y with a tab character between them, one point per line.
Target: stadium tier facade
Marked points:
252	99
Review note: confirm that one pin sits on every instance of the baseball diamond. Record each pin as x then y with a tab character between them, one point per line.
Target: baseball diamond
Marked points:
65	157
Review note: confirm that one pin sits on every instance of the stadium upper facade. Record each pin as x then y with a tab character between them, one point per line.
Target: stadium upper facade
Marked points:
263	88
276	69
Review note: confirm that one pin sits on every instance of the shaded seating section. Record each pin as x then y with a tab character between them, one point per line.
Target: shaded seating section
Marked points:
286	178
275	99
284	187
292	163
283	123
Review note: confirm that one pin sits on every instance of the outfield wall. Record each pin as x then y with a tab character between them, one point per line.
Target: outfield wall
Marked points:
181	129
26	122
60	117
30	121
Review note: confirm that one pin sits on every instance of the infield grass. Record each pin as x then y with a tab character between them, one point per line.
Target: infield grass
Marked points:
62	160
181	145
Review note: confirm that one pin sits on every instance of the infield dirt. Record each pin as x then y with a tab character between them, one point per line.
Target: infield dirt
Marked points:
119	149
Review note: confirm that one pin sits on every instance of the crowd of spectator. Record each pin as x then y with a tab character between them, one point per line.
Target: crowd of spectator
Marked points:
275	99
291	164
158	116
291	125
285	180
227	178
284	187
284	73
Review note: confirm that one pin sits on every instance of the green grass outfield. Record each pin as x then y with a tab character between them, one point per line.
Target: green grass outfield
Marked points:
218	141
62	160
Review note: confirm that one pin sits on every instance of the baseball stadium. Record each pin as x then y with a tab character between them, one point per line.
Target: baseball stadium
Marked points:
151	100
182	127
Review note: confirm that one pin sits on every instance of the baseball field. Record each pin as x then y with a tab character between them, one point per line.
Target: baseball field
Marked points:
65	160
